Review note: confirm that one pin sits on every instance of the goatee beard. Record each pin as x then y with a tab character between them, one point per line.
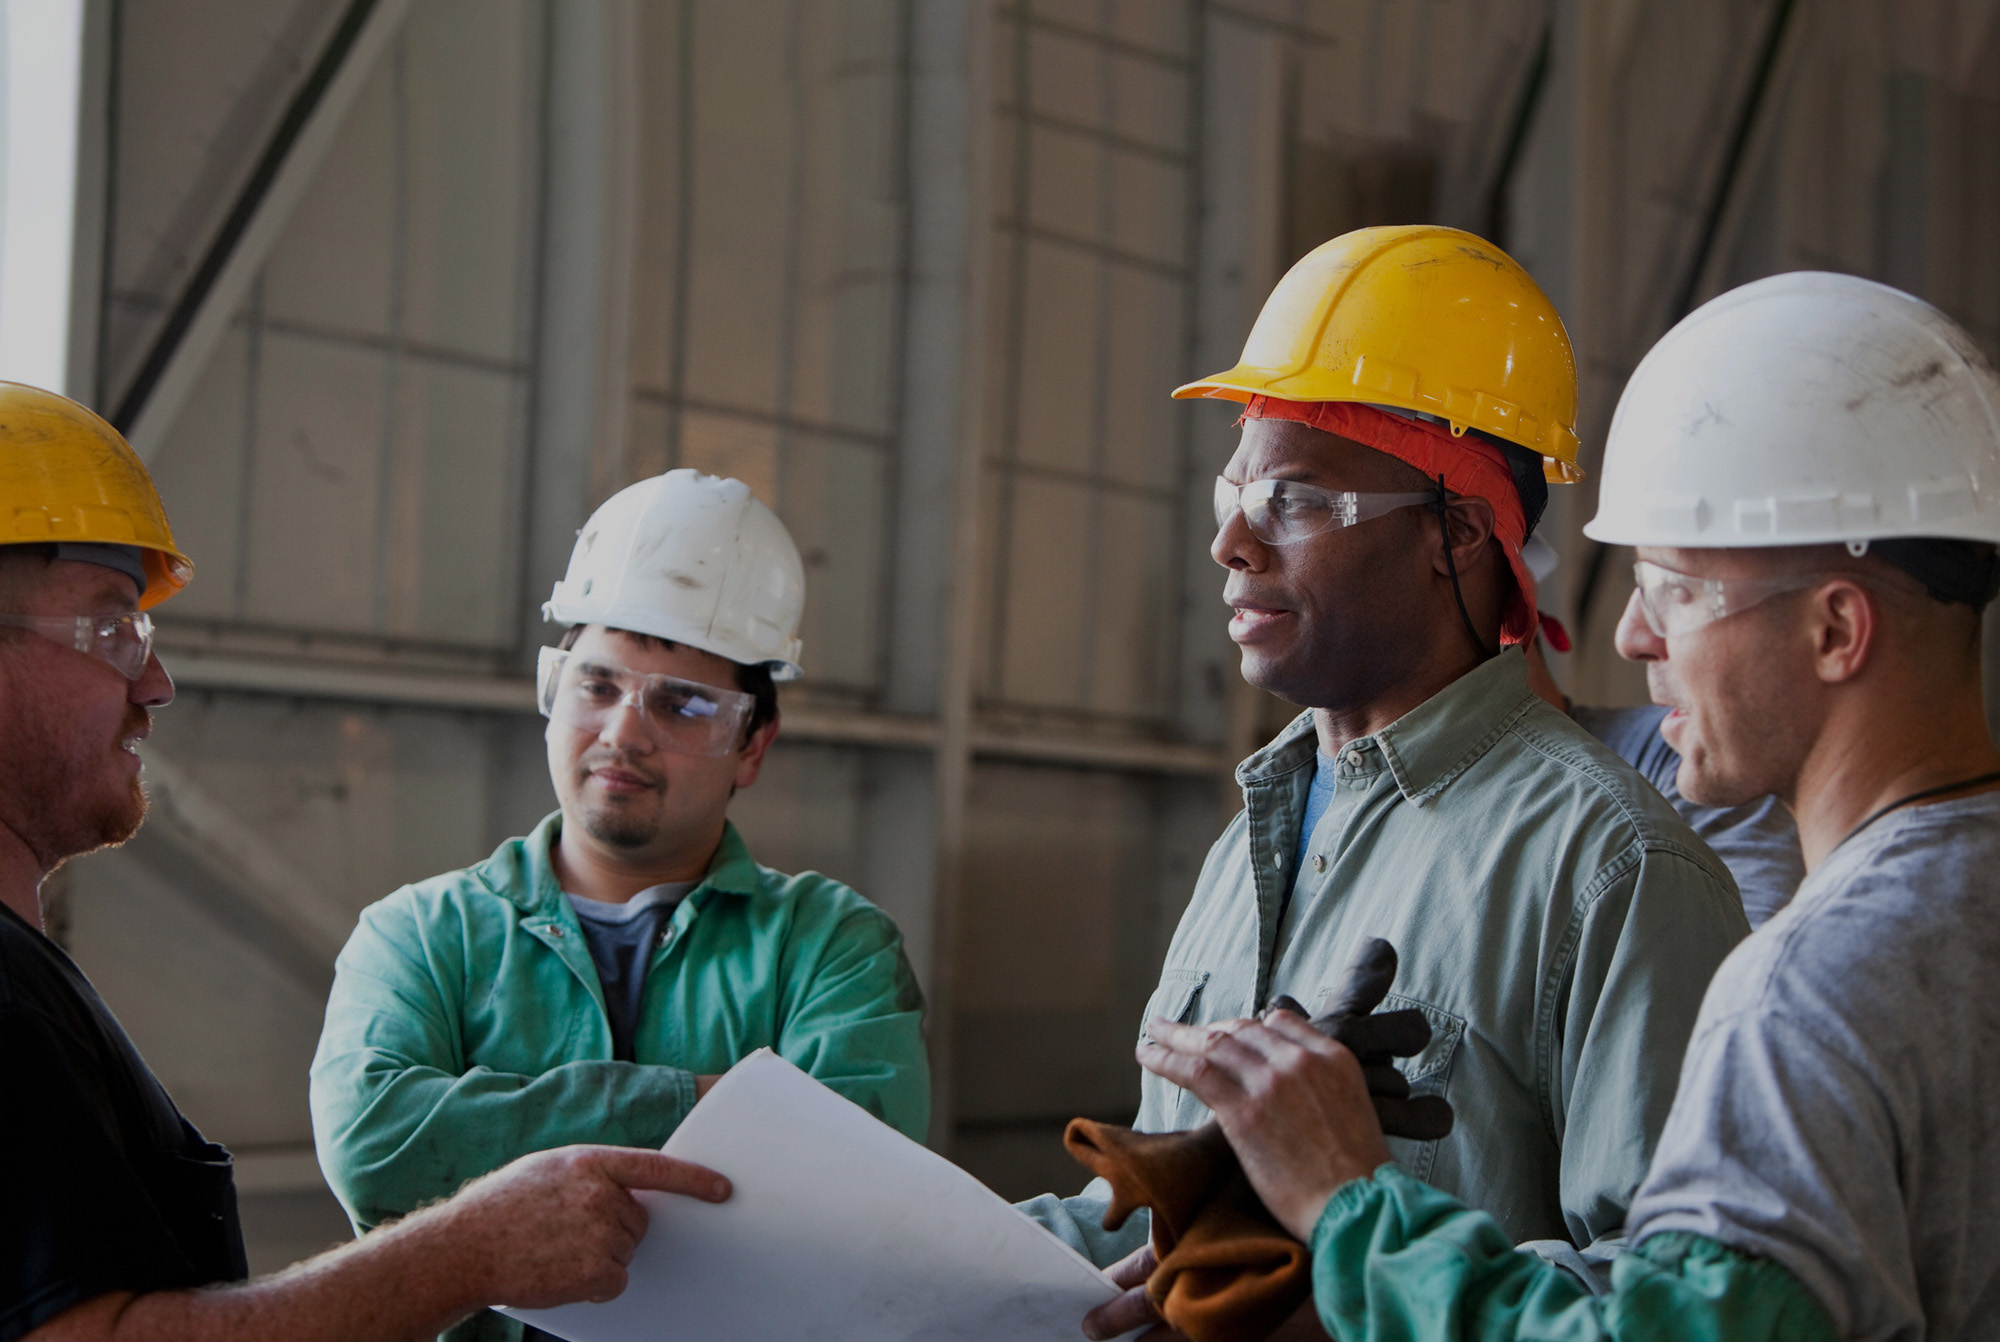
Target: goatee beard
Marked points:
618	831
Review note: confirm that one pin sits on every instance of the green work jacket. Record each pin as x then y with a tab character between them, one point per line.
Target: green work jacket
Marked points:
1394	1258
1556	921
467	1023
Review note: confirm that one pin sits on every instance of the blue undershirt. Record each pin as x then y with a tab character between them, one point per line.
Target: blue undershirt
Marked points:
1325	778
621	939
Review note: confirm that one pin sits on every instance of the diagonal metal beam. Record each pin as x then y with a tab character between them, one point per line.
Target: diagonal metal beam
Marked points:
218	860
286	167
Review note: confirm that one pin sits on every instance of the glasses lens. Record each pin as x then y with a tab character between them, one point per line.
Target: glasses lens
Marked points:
1283	511
1225	501
125	643
1672	603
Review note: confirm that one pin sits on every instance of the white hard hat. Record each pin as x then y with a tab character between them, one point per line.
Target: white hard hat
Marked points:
1804	409
692	558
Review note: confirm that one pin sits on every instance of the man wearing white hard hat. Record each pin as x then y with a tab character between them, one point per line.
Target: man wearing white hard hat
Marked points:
590	980
1809	467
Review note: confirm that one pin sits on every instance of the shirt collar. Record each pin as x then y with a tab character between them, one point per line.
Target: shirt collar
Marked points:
524	872
1428	746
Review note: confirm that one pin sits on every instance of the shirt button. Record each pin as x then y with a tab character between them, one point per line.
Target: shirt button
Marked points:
666	937
1278	861
1319	861
555	931
1354	759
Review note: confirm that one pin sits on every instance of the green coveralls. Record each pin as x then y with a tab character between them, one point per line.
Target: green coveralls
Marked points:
467	1023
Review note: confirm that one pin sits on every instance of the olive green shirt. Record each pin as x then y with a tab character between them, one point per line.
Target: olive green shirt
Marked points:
1556	920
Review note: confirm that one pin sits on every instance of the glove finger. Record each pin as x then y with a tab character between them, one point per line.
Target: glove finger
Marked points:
1366	982
1392	1034
1422	1118
1384	1080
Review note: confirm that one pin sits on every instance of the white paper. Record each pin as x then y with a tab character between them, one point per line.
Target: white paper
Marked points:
839	1228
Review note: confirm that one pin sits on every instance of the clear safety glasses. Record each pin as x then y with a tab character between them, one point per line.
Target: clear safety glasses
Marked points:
1675	604
684	716
1282	512
124	642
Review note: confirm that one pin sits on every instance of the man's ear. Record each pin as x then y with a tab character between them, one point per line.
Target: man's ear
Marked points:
750	762
1469	523
1846	619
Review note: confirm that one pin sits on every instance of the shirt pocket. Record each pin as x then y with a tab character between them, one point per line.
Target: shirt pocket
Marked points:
1178	998
1428	1071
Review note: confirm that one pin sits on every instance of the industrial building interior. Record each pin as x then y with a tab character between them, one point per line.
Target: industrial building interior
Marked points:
390	294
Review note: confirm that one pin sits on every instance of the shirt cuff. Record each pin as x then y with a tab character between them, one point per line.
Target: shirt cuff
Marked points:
1350	1202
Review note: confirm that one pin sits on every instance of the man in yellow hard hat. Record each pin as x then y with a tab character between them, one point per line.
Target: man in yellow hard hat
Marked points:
1406	393
117	1219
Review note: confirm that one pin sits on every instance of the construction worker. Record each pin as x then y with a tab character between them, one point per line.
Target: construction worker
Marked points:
117	1218
1758	841
1407	393
1810	469
590	981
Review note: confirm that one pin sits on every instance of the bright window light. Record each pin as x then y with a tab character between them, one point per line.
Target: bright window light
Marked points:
41	63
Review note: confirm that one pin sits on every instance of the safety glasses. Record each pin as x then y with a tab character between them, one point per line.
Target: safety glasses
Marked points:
1675	604
1283	512
684	716
124	642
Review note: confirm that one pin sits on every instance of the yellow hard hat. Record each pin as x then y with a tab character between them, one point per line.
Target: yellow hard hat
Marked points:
66	475
1417	317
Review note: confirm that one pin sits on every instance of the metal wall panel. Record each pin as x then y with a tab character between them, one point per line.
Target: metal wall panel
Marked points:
351	463
1094	279
767	277
198	86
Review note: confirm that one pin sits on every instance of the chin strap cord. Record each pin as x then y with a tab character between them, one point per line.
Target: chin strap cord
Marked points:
1439	506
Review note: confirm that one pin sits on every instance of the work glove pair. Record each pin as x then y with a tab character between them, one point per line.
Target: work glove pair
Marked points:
1228	1272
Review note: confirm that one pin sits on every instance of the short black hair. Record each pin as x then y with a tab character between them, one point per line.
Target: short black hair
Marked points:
754	679
1956	572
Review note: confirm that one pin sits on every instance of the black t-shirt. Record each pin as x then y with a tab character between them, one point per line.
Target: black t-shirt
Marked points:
103	1185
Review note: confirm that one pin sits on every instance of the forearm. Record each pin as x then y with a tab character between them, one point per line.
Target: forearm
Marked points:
395	1138
1395	1258
410	1281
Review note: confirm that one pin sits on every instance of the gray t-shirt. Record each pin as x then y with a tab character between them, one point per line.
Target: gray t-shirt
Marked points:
1839	1108
621	938
1758	841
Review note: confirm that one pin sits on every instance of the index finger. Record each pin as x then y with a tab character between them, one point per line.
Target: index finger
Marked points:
660	1173
1192	1040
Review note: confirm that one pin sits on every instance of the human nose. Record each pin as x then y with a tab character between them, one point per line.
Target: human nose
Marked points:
625	727
154	688
1236	546
1635	640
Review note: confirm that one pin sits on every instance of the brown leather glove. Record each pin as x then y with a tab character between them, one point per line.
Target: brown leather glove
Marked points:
1228	1272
